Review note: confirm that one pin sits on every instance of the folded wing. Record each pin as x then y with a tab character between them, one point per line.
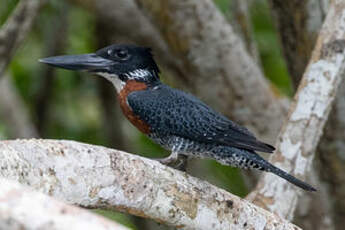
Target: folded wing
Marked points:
170	111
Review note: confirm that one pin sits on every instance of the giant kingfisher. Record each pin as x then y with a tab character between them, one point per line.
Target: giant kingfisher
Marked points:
176	120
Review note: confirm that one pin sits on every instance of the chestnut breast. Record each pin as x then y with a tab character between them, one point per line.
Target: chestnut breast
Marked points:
131	86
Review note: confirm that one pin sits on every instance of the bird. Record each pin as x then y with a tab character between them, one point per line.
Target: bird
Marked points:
176	120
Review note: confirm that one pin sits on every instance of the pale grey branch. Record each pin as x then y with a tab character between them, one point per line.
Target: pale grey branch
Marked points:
299	137
98	177
21	208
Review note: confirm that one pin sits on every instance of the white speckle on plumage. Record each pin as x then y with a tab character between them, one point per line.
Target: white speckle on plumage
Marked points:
138	74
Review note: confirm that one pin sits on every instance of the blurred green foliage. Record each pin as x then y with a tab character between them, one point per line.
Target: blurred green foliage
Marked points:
74	110
267	40
119	218
6	8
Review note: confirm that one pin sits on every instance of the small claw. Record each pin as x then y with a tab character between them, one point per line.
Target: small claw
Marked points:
181	161
172	158
166	160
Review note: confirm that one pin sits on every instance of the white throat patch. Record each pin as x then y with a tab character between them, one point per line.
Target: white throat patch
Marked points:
113	78
134	75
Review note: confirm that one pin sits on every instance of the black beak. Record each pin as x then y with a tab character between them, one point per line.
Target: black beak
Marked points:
90	62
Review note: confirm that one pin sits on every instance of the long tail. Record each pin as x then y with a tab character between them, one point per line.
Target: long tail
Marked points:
271	168
249	159
268	167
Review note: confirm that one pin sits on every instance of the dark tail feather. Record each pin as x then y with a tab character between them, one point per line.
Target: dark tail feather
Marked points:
249	159
266	166
290	178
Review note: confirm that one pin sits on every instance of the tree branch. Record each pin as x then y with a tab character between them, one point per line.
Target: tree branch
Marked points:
331	159
16	212
98	177
308	113
299	23
228	105
15	29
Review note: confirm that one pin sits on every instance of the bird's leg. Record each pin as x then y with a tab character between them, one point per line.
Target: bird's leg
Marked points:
182	162
173	156
170	159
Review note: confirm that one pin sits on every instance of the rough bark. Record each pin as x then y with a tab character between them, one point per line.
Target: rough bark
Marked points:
199	35
13	112
21	208
299	23
308	113
15	29
98	177
332	161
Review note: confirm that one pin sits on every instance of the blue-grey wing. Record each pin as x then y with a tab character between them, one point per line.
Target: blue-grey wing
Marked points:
170	111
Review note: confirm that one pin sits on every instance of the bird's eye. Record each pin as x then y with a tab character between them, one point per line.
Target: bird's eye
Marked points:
122	54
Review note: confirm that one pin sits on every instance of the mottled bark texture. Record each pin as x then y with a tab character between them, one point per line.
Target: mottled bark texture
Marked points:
13	32
332	159
13	112
21	208
316	211
308	113
98	177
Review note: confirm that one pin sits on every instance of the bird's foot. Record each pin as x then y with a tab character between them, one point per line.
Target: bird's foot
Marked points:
181	163
177	161
167	160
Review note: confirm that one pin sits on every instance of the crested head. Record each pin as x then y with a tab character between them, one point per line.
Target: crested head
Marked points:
118	63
